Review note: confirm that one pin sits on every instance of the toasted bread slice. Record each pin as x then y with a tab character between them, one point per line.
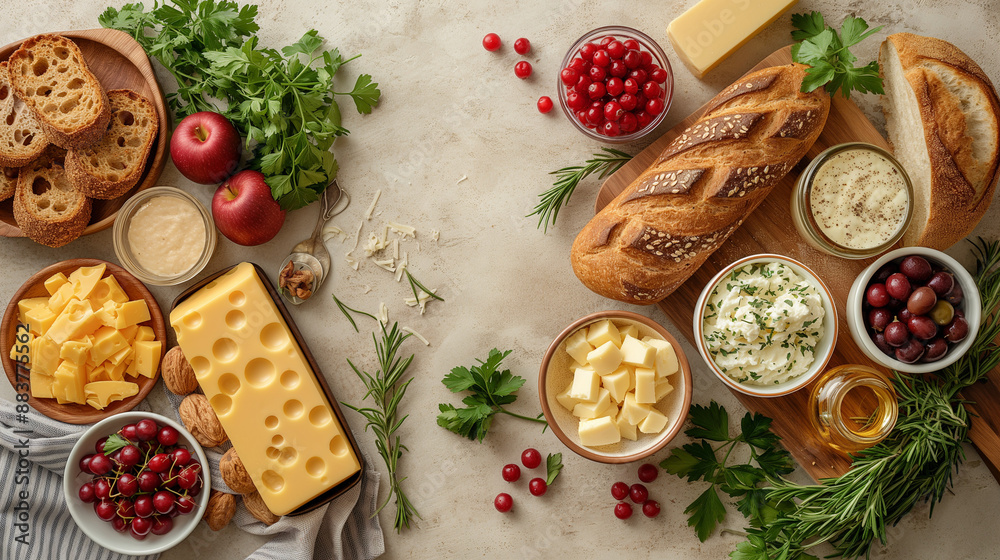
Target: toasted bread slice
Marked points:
8	182
50	75
47	207
114	165
22	139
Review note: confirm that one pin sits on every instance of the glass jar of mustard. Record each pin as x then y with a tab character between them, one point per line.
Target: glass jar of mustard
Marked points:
853	407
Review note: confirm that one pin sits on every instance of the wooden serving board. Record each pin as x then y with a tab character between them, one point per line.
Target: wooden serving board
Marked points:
770	230
119	63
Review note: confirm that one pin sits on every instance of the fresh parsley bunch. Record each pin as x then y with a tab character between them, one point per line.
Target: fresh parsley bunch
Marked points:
700	461
282	101
828	53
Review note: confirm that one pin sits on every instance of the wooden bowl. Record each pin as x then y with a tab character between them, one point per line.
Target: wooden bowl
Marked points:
555	374
73	413
118	62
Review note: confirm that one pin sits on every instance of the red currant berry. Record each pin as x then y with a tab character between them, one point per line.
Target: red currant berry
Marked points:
650	508
651	90
648	473
522	46
522	69
143	505
146	429
623	510
616	49
587	52
613	111
530	457
632	60
105	509
601	58
628	123
100	465
631	44
503	502
162	525
537	486
596	91
87	492
579	64
617	69
597	73
638	493
167	436
658	75
491	42
619	490
654	107
511	472
569	76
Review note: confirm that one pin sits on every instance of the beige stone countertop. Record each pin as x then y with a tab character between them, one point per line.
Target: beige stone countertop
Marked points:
457	146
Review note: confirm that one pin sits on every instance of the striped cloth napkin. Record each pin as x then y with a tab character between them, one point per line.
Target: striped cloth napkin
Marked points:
36	524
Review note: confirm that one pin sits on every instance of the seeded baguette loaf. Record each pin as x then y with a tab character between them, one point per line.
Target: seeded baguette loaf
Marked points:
662	227
47	207
49	74
8	182
114	165
942	118
22	139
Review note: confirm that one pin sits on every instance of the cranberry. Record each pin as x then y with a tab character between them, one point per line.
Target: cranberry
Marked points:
491	42
595	115
511	472
87	492
638	493
100	465
522	46
643	118
162	525
613	111
580	65
582	85
631	44
646	59
632	60
605	41
639	75
616	49
614	86
648	473
631	86
628	123
587	51
544	104
619	490
651	90
503	502
611	128
618	69
601	58
654	107
582	117
650	508
877	296
623	510
597	73
627	101
522	69
569	76
658	75
575	101
596	91
105	509
531	458
537	486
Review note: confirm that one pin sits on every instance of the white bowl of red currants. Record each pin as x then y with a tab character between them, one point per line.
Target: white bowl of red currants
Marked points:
137	483
915	310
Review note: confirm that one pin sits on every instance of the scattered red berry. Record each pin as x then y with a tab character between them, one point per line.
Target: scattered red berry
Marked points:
522	46
544	104
503	502
531	458
522	69
648	472
650	508
537	487
491	42
619	490
623	510
638	493
511	472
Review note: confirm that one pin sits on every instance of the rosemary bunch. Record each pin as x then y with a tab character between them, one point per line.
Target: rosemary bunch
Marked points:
569	177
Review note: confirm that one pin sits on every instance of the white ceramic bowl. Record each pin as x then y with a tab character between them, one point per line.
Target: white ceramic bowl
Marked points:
101	532
971	306
823	351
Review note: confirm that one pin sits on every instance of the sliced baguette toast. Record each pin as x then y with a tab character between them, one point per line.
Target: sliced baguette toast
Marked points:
8	182
50	75
47	207
22	139
114	165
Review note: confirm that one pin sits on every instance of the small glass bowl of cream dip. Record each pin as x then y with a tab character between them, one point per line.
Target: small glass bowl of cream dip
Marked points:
853	200
164	236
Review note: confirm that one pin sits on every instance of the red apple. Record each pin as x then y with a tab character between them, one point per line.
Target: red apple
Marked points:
206	147
244	210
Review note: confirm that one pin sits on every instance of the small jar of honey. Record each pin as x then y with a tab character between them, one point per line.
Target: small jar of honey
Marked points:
853	407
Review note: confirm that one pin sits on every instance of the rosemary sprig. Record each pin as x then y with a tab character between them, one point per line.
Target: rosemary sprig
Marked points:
415	284
569	177
347	313
386	389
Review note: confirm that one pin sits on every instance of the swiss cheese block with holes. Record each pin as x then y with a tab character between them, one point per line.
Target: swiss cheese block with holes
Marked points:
262	388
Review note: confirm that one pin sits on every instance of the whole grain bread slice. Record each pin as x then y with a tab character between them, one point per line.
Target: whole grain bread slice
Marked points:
22	139
114	165
47	207
49	74
8	182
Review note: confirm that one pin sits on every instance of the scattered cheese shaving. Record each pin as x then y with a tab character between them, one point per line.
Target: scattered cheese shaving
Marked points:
402	266
464	177
403	229
334	231
371	208
374	244
435	234
416	334
383	313
367	288
395	248
357	236
421	301
387	264
351	261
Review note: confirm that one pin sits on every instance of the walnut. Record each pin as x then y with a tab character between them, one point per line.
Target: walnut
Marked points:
177	372
199	418
296	281
220	510
257	508
235	474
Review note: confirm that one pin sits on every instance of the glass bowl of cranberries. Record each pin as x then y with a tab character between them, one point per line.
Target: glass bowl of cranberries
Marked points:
137	483
615	84
915	310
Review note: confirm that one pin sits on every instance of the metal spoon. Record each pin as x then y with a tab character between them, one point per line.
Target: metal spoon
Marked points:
311	255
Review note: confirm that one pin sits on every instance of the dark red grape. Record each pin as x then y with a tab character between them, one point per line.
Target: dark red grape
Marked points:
898	286
910	351
162	525
922	327
896	334
879	318
904	315
148	480
957	330
877	296
942	283
936	349
119	524
879	340
917	269
921	301
896	304
883	273
956	295
105	509
144	505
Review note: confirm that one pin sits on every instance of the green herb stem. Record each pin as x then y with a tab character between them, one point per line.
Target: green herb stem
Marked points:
568	178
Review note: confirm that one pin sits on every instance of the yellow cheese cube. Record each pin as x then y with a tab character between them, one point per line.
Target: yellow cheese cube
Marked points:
132	369
123	355
101	393
663	388
602	332
634	412
131	313
76	321
638	353
41	385
20	351
128	333
108	314
605	358
145	333
98	373
107	342
26	305
653	423
107	289
116	372
54	282
147	354
40	319
76	351
565	400
585	386
666	358
626	428
59	300
628	329
45	356
594	409
85	278
72	379
617	383
578	347
645	386
599	431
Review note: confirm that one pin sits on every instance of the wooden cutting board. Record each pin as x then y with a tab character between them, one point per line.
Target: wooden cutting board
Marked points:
770	230
118	62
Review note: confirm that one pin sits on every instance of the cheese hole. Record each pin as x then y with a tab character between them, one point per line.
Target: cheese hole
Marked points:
236	319
271	422
192	320
288	456
315	466
222	404
338	446
260	372
200	365
293	409
319	416
237	298
272	453
225	350
229	384
273	336
101	291
277	440
290	379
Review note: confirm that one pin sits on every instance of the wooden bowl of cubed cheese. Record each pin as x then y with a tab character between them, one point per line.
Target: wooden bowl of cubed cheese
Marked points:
615	386
82	340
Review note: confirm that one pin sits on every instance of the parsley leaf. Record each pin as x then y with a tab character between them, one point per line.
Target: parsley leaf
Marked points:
828	54
807	26
553	464
711	422
491	388
114	443
706	511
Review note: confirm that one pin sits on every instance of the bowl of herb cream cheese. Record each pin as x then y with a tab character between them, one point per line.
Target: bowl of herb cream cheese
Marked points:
766	325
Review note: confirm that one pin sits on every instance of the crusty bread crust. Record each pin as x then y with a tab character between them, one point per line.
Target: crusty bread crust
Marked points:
8	182
49	73
961	180
662	227
115	164
22	138
48	209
